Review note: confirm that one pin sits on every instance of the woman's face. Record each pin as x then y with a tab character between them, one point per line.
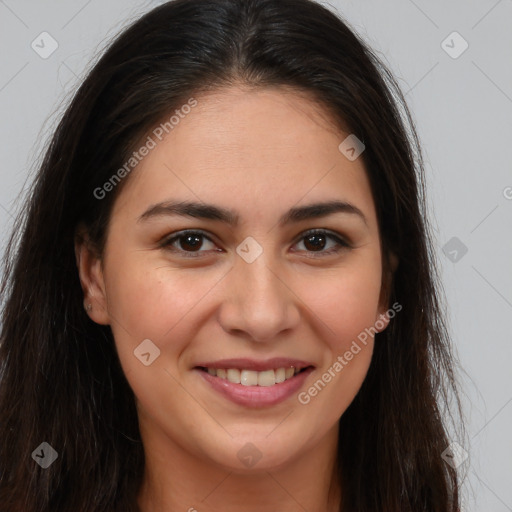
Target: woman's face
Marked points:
250	284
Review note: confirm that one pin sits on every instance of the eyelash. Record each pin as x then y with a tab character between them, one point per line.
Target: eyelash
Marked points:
166	243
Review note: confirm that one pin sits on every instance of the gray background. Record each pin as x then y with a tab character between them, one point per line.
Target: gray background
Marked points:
463	110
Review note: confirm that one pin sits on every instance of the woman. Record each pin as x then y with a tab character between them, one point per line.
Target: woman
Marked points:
223	295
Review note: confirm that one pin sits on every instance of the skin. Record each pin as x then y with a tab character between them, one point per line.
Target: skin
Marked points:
259	153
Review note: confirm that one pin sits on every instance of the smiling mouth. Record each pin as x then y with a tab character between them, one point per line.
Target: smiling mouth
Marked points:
265	378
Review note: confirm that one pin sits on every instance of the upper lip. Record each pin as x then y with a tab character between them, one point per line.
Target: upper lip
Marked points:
255	365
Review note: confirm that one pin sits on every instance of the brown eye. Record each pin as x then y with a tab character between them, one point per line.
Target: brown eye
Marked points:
188	243
317	241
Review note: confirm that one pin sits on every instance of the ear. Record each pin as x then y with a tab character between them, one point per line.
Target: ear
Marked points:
91	278
390	264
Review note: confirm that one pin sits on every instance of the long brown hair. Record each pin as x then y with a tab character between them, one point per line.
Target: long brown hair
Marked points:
61	380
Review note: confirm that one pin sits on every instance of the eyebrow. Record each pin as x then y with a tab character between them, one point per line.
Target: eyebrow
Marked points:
213	212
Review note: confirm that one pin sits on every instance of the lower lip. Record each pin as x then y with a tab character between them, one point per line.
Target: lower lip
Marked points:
256	396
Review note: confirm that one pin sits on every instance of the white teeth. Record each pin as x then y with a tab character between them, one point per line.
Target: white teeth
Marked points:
267	378
280	375
247	378
253	378
233	375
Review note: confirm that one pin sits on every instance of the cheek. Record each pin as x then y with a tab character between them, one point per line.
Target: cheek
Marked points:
157	303
345	301
346	306
149	300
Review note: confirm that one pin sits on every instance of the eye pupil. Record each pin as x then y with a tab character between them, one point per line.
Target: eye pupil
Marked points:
192	241
315	244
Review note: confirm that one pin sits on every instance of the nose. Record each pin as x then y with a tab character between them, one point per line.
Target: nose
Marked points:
258	303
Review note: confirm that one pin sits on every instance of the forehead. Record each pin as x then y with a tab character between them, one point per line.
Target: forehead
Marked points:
250	149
